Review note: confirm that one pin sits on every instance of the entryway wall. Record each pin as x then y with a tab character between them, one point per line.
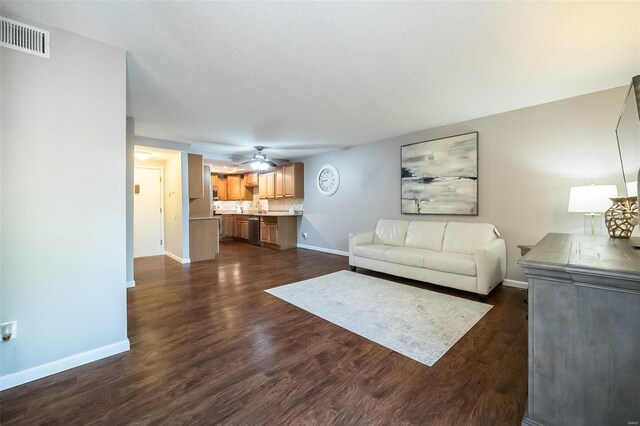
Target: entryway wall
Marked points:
148	217
175	205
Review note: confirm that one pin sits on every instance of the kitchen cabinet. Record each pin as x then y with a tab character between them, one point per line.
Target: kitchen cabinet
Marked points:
293	177
279	183
234	186
246	192
269	233
262	186
267	185
220	183
242	227
228	226
251	180
201	207
286	181
279	231
223	192
194	176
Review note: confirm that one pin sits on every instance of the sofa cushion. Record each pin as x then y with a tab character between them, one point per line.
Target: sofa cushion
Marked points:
425	235
465	238
390	232
372	251
406	256
461	264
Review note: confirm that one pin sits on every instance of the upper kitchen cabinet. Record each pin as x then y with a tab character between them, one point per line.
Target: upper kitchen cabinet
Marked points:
279	182
293	177
234	187
267	185
223	190
196	179
251	180
246	191
220	184
286	181
262	186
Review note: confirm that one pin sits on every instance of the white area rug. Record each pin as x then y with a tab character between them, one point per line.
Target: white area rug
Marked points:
415	322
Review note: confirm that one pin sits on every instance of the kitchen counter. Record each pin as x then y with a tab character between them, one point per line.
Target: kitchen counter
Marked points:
205	218
254	213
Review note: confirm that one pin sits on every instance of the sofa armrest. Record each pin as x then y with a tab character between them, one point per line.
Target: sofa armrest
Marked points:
356	239
491	265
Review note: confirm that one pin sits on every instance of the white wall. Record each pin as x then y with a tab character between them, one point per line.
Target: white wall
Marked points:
173	206
63	263
528	160
130	165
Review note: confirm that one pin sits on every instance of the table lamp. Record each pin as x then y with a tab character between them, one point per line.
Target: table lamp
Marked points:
592	200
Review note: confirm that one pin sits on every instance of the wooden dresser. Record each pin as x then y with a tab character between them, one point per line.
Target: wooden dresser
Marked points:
584	331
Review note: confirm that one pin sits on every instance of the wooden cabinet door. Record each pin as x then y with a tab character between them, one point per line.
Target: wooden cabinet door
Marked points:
195	176
279	182
245	229
251	180
270	178
273	233
264	232
289	183
233	187
262	186
246	192
238	229
222	189
231	223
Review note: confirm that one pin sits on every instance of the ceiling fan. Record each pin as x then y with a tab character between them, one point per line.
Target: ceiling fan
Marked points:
260	161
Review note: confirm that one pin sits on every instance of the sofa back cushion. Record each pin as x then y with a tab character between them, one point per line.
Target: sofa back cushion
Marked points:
425	235
464	238
390	232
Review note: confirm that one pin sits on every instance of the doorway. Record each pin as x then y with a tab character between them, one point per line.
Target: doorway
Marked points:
148	218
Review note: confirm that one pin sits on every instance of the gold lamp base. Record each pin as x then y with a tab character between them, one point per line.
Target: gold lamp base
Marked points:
622	217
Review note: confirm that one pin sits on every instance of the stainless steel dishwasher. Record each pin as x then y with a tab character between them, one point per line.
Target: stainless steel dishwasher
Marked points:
254	230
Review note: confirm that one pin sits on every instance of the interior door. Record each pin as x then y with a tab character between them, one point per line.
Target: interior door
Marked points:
147	212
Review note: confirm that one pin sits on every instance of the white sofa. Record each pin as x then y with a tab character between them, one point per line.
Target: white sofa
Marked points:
465	256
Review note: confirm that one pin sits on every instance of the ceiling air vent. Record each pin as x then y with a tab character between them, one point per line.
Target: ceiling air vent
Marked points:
25	38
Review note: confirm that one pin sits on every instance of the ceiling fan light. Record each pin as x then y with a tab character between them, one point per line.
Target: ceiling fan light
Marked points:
256	165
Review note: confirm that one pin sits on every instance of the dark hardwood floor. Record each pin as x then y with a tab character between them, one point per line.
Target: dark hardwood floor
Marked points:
208	345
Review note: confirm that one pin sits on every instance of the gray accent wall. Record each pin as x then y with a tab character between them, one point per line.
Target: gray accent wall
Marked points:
63	230
528	160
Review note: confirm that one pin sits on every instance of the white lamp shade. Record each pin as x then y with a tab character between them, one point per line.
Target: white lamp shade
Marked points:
591	198
632	189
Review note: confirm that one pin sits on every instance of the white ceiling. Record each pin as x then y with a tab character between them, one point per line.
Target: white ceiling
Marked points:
305	77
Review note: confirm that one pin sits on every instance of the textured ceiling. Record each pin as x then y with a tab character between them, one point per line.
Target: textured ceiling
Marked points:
306	77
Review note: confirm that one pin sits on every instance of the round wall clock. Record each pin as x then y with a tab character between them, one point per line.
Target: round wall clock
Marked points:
328	180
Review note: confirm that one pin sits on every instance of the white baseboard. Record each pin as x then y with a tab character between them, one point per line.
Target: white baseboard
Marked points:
516	284
40	371
176	258
324	250
131	283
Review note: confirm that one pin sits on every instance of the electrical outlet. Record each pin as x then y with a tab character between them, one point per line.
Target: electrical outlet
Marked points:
14	328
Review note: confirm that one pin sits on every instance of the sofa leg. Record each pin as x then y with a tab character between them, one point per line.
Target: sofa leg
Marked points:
482	297
353	268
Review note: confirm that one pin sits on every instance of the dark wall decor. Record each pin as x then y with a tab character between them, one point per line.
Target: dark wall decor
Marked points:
440	176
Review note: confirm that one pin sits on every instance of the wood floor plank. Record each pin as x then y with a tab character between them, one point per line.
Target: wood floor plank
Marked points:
208	346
